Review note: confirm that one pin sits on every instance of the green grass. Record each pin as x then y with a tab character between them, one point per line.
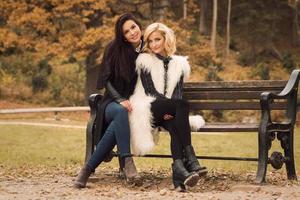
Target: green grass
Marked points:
43	146
31	145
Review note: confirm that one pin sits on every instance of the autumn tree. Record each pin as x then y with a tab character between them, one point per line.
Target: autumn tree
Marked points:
55	29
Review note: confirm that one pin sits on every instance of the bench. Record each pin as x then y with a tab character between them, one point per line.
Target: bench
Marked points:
263	95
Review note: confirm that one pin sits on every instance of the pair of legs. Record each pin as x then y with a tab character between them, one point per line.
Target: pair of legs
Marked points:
178	127
186	168
117	133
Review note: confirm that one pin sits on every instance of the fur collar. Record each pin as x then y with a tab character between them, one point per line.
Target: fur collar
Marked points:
149	61
178	66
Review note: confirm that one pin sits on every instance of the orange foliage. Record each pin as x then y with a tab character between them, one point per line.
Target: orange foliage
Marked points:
33	26
70	30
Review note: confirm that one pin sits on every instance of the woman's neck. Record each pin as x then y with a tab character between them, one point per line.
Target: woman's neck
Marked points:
163	54
135	45
138	46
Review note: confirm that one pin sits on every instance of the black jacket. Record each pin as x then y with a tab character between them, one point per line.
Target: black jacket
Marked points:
116	89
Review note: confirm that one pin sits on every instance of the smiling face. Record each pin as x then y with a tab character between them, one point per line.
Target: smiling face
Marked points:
156	43
132	32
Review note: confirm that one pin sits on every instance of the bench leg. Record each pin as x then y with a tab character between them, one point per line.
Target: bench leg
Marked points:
94	99
263	148
289	154
89	143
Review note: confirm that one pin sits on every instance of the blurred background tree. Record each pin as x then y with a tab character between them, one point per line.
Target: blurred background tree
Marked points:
50	49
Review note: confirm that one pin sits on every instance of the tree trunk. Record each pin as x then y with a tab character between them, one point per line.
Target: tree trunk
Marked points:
228	28
203	29
295	37
214	25
185	9
160	8
91	74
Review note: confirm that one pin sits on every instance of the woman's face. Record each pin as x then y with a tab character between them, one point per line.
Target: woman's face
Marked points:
132	32
156	42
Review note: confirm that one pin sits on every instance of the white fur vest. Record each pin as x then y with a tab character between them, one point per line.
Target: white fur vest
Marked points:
140	119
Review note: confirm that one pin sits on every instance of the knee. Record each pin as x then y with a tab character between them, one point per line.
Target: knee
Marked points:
120	114
121	110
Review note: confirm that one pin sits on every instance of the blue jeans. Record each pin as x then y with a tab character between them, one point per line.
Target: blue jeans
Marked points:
117	133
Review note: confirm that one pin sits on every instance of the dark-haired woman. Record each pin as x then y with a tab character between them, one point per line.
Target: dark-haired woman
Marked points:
117	75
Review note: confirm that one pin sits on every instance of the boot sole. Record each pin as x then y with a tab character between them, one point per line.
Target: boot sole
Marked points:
136	180
79	185
192	180
202	172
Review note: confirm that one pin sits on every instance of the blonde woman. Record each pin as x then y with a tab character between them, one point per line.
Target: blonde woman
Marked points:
157	101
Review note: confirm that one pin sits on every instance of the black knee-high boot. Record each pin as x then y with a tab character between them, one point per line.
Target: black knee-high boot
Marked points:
191	163
181	177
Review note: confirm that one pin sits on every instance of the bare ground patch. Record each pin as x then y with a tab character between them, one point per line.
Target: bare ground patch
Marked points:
56	183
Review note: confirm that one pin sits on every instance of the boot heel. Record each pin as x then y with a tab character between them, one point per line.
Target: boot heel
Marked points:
178	185
202	172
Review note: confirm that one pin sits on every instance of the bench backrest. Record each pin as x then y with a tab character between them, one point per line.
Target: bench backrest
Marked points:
232	95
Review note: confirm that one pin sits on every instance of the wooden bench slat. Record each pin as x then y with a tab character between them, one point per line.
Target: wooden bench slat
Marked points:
224	95
194	105
230	127
262	89
236	84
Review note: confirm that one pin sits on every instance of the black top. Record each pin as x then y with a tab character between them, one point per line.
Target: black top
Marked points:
116	87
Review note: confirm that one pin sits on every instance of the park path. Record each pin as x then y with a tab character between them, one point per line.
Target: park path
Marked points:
6	122
108	186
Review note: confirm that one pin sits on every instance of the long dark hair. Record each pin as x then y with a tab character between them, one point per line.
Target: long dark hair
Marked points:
122	52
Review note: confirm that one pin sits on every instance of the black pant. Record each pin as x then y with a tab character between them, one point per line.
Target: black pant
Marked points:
178	127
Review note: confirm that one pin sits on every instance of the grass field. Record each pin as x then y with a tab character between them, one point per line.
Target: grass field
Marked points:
50	147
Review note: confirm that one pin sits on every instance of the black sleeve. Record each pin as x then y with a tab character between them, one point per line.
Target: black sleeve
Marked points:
105	70
177	93
113	93
149	85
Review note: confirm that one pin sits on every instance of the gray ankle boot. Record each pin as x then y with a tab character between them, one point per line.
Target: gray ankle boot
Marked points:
129	168
83	177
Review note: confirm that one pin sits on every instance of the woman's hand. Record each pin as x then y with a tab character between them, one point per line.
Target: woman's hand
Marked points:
127	105
168	117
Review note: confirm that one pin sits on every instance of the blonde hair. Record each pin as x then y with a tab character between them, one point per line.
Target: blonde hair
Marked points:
167	33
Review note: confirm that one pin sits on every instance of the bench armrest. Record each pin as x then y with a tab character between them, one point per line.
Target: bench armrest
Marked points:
291	85
289	93
94	103
94	100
